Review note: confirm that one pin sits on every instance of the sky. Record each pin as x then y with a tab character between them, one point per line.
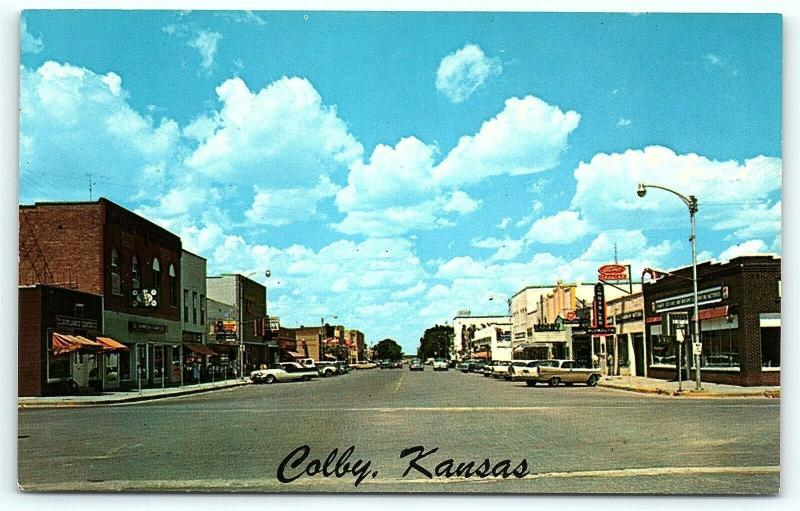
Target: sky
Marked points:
391	169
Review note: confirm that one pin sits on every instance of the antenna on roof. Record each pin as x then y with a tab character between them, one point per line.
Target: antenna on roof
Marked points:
91	184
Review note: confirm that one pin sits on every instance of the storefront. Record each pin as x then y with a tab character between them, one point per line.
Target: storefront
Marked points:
739	317
626	353
62	348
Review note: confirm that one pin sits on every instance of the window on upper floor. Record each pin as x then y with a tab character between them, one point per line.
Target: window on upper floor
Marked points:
116	281
135	272
202	309
194	307
156	274
173	287
185	305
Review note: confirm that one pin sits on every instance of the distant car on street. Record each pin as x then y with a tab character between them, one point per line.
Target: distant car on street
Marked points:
285	371
499	369
440	364
556	372
416	365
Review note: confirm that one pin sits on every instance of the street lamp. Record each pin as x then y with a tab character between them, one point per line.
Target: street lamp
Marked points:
691	203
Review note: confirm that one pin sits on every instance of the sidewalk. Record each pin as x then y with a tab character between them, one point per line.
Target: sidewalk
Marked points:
130	396
670	388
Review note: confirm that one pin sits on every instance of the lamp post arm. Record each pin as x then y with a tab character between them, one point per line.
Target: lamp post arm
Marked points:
690	201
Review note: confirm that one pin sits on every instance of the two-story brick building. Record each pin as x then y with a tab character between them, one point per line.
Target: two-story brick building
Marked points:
102	248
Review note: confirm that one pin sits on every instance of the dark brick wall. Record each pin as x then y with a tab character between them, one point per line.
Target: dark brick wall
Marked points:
76	240
752	283
130	235
30	355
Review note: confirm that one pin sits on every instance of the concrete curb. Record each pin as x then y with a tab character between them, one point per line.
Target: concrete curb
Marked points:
692	394
30	403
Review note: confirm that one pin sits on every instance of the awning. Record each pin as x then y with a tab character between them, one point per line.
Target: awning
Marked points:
110	344
63	344
481	354
199	348
294	354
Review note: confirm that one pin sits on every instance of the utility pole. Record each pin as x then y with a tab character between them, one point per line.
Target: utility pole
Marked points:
91	184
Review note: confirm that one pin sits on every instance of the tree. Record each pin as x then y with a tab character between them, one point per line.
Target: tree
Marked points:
435	342
388	349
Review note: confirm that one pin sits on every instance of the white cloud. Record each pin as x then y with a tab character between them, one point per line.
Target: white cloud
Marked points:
712	59
504	223
402	187
506	249
74	121
29	43
528	136
206	43
757	220
606	187
561	228
462	203
749	247
623	122
280	136
279	207
461	73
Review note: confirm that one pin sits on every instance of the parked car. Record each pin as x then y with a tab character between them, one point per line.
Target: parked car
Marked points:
440	364
477	366
463	366
398	364
416	365
429	362
500	368
525	370
555	372
364	365
306	362
285	371
327	369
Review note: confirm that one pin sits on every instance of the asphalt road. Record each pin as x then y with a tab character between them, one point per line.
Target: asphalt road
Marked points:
574	439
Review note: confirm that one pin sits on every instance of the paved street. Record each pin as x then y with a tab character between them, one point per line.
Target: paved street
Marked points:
575	439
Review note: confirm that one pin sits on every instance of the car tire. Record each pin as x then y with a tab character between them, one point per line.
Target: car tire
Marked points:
554	381
592	381
270	378
530	383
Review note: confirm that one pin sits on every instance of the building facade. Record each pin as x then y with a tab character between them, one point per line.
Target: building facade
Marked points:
194	332
102	248
464	326
628	349
249	299
494	342
740	320
46	310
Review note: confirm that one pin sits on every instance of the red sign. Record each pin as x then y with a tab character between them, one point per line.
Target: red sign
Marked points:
571	316
612	272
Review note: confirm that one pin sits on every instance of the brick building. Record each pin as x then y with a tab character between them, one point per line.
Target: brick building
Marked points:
102	248
740	318
47	310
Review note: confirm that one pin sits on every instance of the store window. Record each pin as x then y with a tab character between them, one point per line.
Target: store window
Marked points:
112	368
156	274
124	365
58	368
173	287
194	307
116	282
770	347
720	348
185	305
135	281
662	350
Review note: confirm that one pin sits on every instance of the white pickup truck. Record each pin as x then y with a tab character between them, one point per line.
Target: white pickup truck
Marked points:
556	372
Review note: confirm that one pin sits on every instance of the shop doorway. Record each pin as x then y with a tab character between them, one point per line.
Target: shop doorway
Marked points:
142	365
638	354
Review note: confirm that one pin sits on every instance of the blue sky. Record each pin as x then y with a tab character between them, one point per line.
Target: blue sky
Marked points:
393	168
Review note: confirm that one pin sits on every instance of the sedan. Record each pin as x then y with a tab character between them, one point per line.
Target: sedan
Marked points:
416	365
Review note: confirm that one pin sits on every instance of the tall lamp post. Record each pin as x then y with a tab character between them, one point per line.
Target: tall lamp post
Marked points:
691	203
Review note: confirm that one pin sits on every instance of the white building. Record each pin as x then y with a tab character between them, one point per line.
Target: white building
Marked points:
465	325
495	340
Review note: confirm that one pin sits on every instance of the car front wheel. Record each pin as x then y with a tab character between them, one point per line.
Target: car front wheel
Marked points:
554	381
270	378
592	381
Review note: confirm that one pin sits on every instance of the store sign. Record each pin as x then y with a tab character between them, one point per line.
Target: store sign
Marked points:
706	296
74	322
274	323
602	331
629	317
149	328
599	305
613	272
519	335
144	298
504	337
195	337
547	327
